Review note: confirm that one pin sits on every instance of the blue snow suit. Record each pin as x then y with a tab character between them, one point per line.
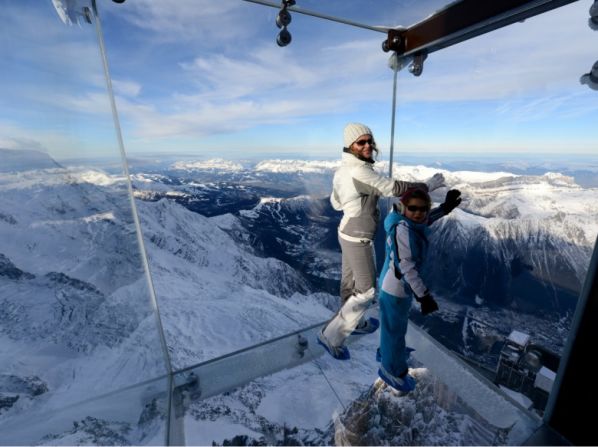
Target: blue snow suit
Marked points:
406	246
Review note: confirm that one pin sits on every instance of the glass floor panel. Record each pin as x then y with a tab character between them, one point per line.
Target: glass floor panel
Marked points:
324	401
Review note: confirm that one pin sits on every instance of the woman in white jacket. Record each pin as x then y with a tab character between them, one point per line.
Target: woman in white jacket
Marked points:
356	190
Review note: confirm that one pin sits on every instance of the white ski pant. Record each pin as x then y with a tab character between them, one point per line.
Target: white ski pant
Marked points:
347	318
358	267
357	291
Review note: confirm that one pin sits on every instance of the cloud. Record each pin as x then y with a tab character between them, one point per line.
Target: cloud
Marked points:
547	107
42	46
207	21
265	69
126	88
523	59
230	89
208	118
225	94
197	67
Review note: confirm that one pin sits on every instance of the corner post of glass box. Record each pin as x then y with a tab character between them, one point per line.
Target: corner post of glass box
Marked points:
569	409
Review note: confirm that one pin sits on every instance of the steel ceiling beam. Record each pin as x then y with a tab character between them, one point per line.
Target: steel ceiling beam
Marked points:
463	20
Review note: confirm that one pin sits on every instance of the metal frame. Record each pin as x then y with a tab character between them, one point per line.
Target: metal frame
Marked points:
380	29
463	20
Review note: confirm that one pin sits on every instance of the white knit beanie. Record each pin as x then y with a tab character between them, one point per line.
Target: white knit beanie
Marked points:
353	131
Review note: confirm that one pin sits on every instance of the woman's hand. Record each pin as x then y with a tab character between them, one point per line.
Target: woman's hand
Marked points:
435	182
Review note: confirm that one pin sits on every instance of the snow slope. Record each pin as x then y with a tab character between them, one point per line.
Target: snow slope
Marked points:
75	304
76	315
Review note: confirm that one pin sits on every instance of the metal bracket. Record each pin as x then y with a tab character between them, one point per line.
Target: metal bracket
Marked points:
394	41
462	20
188	384
72	11
87	15
186	389
415	63
591	78
593	20
302	345
283	19
417	66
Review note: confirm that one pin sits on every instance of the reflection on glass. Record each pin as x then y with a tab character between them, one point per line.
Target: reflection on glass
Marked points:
75	314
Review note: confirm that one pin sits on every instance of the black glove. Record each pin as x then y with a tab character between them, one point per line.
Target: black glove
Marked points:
452	201
427	303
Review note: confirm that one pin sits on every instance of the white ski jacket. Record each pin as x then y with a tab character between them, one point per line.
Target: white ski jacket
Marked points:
356	188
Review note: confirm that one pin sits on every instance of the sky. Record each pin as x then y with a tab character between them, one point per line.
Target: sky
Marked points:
206	79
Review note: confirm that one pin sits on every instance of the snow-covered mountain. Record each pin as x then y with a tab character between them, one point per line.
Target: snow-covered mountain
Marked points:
518	243
75	314
301	231
545	210
297	166
216	164
238	255
352	408
545	225
216	296
72	285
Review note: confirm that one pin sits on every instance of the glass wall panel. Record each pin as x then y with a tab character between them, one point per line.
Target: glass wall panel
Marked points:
232	143
513	130
76	320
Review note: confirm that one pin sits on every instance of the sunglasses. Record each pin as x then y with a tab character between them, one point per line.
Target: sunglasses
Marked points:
369	141
414	208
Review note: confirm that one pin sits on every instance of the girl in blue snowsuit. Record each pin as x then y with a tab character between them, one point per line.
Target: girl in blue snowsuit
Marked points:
406	245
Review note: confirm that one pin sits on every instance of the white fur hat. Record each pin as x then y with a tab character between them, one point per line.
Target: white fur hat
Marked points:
353	131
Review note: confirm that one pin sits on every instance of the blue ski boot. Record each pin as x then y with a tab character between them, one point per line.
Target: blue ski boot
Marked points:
367	327
338	352
405	383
